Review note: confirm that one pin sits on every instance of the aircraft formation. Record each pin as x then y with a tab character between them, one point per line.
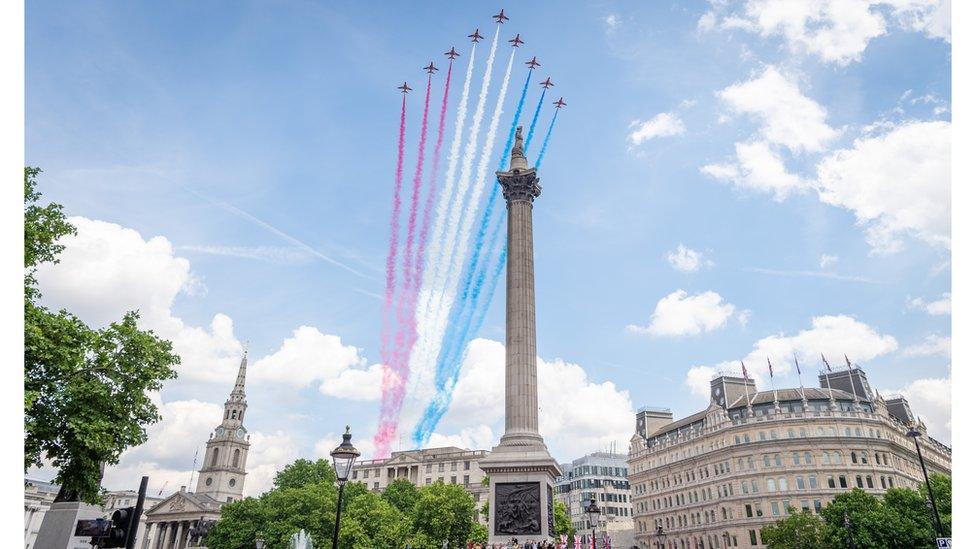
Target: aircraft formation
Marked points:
475	37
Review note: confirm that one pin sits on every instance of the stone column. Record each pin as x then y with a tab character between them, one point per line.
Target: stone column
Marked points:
179	534
168	540
150	526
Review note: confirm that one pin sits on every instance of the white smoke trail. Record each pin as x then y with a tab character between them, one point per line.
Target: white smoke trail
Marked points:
430	324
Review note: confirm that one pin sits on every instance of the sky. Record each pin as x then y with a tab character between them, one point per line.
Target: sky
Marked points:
729	181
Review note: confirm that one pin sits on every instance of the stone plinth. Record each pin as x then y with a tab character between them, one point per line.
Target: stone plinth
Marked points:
58	527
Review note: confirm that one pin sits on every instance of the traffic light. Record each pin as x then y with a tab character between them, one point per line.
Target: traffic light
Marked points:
119	532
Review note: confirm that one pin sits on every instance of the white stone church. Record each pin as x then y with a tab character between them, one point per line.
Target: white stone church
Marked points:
184	518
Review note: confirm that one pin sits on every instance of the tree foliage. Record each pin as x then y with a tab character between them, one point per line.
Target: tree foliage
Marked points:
86	392
304	497
562	522
797	530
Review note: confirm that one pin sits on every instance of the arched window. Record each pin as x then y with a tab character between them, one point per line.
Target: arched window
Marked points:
233	414
213	458
237	457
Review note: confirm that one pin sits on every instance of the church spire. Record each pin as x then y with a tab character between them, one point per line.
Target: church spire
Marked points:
518	153
238	392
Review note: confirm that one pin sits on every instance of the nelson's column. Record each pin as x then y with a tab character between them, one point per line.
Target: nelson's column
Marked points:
521	470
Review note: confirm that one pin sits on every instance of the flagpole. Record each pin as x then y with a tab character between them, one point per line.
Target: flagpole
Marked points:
850	372
803	394
771	382
745	374
833	403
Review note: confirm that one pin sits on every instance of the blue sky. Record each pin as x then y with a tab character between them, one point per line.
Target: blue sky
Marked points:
259	140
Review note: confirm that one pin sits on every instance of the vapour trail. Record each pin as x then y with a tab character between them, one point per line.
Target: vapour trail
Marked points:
535	118
387	427
435	316
444	372
416	191
545	142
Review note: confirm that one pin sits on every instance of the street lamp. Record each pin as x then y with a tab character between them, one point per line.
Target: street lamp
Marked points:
593	514
660	536
914	433
342	458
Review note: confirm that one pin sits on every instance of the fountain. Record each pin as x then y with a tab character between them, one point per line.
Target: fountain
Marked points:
300	540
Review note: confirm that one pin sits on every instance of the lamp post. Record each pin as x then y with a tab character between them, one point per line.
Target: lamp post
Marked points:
593	514
659	536
914	433
342	458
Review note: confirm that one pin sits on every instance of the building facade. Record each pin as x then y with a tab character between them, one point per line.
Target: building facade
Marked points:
38	497
450	465
715	478
600	476
184	518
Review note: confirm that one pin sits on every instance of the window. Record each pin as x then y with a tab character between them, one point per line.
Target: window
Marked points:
812	482
755	485
870	481
232	482
237	457
853	457
847	431
796	458
779	462
467	465
864	457
427	481
803	432
860	482
808	458
843	481
737	439
775	507
783	485
826	458
830	481
800	484
440	467
430	466
752	537
467	479
816	505
883	483
791	433
774	435
770	485
376	486
453	479
213	457
766	460
749	514
745	487
836	458
762	435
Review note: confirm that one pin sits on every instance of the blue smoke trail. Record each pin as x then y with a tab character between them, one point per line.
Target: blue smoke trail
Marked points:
447	369
545	142
535	118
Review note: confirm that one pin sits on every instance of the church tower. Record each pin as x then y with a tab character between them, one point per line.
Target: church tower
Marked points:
223	471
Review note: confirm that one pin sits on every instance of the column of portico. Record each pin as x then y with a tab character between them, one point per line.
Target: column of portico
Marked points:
168	542
179	534
150	527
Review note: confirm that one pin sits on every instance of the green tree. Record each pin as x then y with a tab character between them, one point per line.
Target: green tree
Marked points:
86	392
872	524
443	512
303	472
914	517
942	490
479	533
562	522
797	531
402	494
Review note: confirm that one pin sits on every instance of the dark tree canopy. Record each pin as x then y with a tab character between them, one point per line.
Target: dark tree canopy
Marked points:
86	392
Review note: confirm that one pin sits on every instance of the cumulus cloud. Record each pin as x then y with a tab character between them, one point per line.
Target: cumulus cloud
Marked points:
833	336
679	314
896	184
827	260
836	31
662	125
787	117
932	345
758	168
930	399
479	399
941	306
687	260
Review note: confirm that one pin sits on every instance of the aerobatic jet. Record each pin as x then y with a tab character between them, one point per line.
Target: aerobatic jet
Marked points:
475	37
560	103
547	83
500	17
516	41
452	54
404	88
431	68
532	63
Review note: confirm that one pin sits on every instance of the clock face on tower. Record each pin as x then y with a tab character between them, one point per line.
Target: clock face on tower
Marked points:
220	431
240	432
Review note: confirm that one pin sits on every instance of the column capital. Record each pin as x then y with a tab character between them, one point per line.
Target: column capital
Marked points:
519	185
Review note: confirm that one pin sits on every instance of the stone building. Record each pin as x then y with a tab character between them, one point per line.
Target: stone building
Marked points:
715	478
183	519
601	476
38	497
450	465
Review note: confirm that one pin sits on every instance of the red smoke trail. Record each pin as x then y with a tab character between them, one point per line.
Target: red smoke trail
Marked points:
391	380
408	258
429	203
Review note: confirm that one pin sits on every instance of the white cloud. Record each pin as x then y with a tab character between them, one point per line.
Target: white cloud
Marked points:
833	336
679	314
827	260
569	428
611	21
758	168
269	454
942	306
931	399
788	117
271	254
687	260
310	356
836	31
896	184
663	124
932	345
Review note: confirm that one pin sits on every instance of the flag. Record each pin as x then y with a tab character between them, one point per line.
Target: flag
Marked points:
770	367
827	364
577	542
745	374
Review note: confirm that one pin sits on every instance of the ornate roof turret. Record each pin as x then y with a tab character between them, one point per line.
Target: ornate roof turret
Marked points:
237	394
